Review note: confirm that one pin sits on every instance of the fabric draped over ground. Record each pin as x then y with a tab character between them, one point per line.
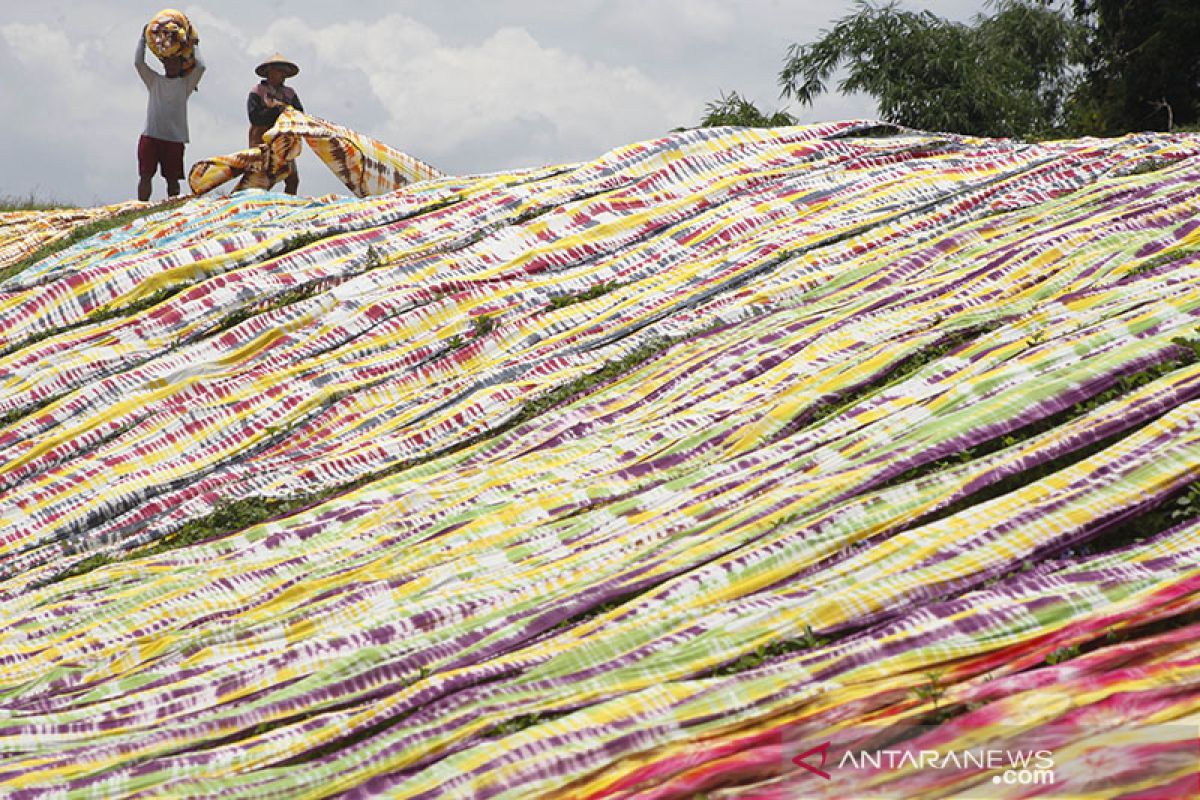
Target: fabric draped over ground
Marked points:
630	478
367	167
23	233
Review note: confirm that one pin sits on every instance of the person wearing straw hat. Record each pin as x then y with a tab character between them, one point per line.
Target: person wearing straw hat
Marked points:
266	102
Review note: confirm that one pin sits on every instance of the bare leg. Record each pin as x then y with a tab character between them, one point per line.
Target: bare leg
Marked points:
144	188
172	187
292	182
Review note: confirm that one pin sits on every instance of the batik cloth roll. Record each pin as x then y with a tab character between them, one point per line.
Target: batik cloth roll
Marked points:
171	33
364	165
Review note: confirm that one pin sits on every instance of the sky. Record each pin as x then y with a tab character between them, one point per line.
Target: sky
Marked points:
468	86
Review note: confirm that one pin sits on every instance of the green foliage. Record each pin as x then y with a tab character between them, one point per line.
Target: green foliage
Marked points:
281	300
591	293
1152	165
227	517
1168	257
1062	654
1142	65
1159	515
482	325
1186	352
1009	74
112	312
100	315
932	691
85	566
20	413
520	723
733	109
760	655
1187	505
374	258
597	611
300	240
29	203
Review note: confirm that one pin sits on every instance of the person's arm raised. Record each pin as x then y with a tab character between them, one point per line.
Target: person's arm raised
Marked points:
193	77
139	61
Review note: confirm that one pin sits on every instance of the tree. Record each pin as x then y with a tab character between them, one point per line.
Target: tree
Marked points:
733	109
1009	74
1142	65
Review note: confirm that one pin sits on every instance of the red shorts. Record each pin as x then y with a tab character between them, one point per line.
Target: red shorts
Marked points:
153	153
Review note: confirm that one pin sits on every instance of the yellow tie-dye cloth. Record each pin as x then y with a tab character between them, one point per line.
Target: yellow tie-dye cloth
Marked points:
23	233
366	166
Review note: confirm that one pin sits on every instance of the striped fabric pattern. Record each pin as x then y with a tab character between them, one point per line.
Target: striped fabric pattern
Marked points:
23	233
614	479
366	166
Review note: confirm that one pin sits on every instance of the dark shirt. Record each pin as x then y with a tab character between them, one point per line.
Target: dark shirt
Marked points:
262	114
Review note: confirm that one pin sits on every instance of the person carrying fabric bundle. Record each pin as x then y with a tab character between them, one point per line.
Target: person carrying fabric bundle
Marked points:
160	147
266	102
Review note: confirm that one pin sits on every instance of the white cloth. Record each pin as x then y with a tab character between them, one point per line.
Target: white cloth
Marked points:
166	111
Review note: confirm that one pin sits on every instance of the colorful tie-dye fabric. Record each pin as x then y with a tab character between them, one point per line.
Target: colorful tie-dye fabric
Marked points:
639	477
23	233
365	166
170	33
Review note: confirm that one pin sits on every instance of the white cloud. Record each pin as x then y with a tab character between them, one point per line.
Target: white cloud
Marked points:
671	25
438	98
62	105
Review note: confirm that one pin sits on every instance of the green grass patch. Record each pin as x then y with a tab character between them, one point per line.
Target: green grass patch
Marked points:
760	655
1152	165
599	290
372	260
301	240
282	300
102	314
228	517
1062	654
30	203
1169	257
482	325
520	723
20	413
83	567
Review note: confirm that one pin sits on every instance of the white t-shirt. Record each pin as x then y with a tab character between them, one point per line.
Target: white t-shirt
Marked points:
166	112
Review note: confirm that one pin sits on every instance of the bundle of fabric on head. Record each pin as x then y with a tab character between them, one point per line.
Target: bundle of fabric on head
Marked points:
171	33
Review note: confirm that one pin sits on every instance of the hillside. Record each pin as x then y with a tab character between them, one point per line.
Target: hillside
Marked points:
634	477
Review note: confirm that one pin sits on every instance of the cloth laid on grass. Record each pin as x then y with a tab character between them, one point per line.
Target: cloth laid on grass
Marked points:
366	166
614	479
23	233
